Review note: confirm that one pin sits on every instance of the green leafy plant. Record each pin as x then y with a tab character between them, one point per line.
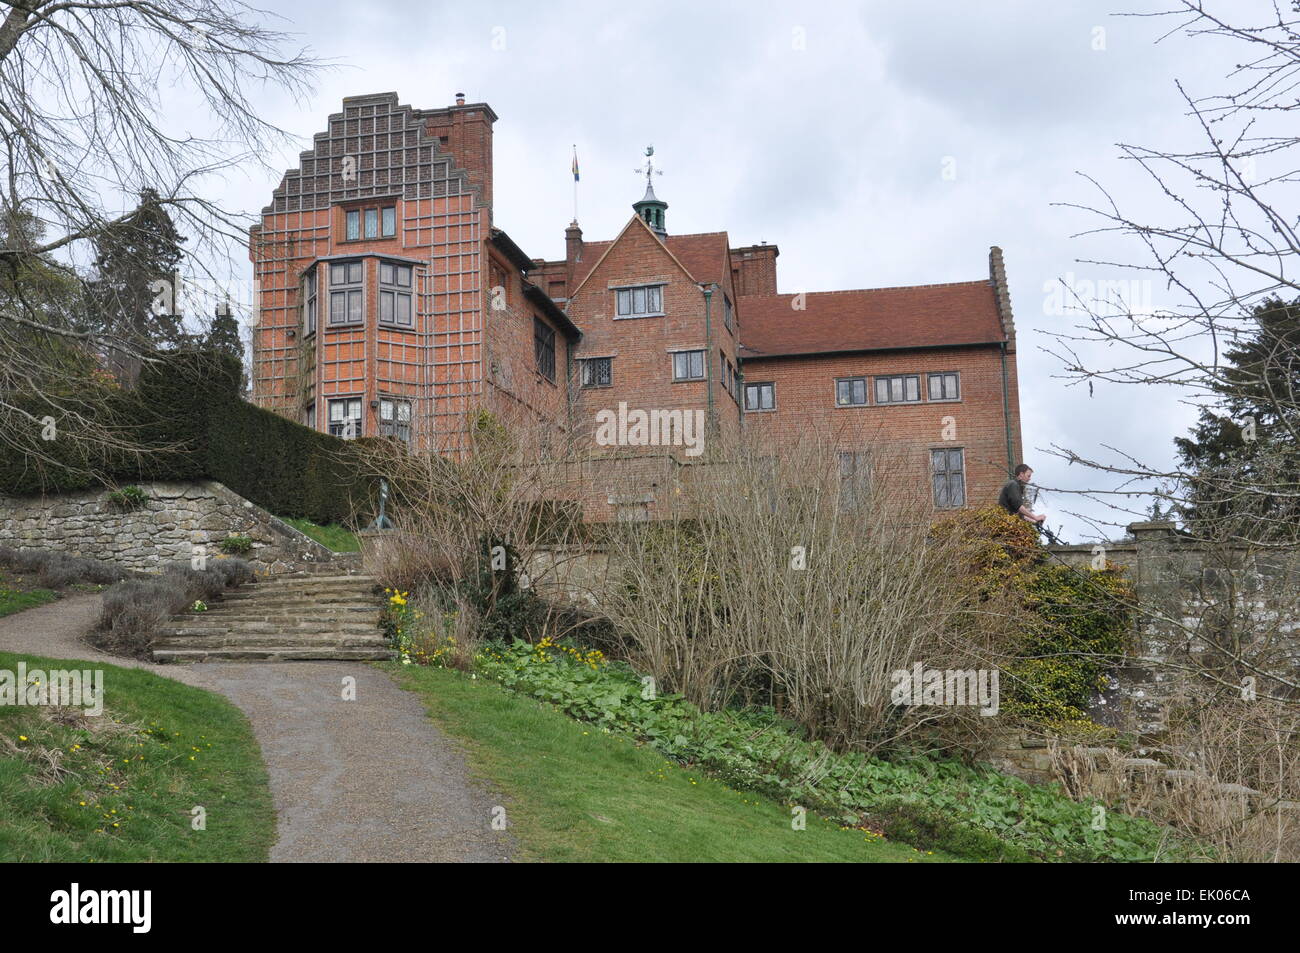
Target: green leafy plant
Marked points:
420	637
1073	626
970	810
127	498
236	545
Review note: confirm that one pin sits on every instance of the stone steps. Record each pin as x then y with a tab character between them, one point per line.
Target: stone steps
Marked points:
285	653
275	601
271	639
287	618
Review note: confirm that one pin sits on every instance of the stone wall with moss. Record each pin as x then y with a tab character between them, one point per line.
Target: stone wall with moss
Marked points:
170	522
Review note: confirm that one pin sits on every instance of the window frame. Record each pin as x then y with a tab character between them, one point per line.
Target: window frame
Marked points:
866	391
630	292
888	380
347	289
947	474
357	223
587	378
347	402
855	478
497	279
393	425
760	409
687	355
942	378
398	292
310	301
544	348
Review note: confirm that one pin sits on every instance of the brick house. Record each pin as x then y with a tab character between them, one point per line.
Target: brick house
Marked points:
389	304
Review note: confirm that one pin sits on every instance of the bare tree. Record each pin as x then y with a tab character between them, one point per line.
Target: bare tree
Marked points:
84	130
1226	254
1225	249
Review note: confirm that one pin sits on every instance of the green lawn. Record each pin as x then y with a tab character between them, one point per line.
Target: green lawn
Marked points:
333	536
15	595
121	786
575	793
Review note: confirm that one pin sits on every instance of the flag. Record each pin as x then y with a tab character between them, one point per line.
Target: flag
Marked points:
575	163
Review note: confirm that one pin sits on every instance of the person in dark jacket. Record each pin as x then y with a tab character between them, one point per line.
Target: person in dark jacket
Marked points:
1013	497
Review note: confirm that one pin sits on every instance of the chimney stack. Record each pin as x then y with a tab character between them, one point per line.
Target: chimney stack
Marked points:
1002	295
572	254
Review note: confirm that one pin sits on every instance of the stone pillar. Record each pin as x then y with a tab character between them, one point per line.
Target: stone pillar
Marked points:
374	544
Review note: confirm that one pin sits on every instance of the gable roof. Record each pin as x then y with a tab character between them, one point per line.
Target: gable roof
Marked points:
581	276
704	255
946	315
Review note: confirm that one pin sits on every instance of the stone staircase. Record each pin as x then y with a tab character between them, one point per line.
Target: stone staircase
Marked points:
285	618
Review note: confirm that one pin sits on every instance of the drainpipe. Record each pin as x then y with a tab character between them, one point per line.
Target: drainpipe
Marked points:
708	354
1006	408
568	383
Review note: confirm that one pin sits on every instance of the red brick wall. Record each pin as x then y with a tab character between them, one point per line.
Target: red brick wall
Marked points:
641	348
754	269
805	404
466	133
436	364
517	392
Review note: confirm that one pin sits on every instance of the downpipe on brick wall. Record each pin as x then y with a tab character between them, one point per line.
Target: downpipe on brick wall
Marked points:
708	344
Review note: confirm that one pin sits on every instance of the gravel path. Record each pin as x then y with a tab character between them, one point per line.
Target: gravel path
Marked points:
365	780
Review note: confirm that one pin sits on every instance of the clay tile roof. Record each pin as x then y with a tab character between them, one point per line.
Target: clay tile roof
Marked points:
870	319
591	252
704	255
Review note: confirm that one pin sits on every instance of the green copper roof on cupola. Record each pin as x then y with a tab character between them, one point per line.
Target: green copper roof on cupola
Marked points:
651	208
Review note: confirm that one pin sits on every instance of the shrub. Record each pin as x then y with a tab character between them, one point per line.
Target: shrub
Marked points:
1071	628
776	581
236	545
438	628
128	498
133	611
284	467
55	570
186	421
970	810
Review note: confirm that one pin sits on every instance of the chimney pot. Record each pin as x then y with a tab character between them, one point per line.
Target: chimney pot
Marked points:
460	99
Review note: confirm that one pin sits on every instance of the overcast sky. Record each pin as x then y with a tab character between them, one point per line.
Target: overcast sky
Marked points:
877	144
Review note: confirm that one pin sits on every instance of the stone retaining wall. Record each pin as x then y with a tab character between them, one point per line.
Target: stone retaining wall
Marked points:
177	521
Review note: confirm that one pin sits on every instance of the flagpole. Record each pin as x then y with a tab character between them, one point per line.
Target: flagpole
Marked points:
575	182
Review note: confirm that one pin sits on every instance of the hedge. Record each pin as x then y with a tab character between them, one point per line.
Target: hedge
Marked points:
187	411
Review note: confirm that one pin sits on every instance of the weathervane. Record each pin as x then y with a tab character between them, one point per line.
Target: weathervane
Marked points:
649	169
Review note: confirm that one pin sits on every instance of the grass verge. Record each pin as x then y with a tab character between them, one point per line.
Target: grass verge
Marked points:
573	792
333	536
15	595
123	786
